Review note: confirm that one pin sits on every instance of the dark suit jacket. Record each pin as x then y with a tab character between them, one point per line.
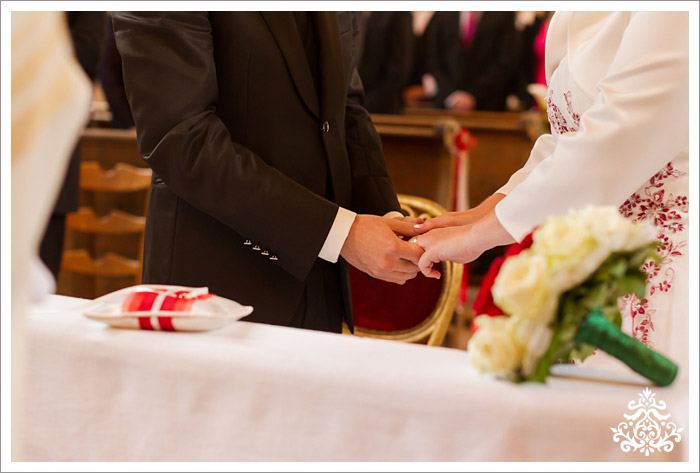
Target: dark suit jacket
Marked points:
244	148
486	69
386	60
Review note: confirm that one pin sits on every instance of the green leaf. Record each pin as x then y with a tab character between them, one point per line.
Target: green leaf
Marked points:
581	352
631	285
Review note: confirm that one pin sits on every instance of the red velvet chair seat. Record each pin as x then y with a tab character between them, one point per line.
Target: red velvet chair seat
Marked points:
379	305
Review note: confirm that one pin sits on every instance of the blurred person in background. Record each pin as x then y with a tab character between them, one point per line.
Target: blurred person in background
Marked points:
531	30
421	88
386	61
473	59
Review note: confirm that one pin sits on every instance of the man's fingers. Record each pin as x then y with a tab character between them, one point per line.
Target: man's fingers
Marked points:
412	220
404	266
401	227
409	251
398	278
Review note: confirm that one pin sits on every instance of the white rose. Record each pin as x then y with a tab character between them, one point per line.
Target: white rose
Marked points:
607	226
493	349
521	286
640	234
616	232
571	251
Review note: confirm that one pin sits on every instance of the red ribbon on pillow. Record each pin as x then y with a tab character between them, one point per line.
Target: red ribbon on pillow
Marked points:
156	300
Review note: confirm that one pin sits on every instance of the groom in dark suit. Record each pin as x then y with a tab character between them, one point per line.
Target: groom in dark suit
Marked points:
262	153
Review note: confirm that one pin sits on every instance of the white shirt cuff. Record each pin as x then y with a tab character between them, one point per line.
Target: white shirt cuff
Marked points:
429	85
337	236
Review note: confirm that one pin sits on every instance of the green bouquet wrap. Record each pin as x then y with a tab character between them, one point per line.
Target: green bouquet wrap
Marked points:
599	332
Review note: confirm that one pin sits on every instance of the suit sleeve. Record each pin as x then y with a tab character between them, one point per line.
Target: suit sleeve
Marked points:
372	189
88	31
636	125
171	85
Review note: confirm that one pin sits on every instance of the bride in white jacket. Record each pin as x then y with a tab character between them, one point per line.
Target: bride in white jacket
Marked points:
617	103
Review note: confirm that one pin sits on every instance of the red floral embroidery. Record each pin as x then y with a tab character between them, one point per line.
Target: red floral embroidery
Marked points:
557	120
569	108
651	269
641	314
668	213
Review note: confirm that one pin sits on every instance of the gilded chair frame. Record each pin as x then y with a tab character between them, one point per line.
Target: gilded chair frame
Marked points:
432	330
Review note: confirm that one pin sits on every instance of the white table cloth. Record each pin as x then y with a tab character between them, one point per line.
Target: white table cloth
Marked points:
251	392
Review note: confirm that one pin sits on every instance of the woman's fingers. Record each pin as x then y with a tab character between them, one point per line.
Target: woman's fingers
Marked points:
426	266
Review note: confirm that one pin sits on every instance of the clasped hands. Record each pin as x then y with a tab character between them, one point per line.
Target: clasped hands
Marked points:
396	249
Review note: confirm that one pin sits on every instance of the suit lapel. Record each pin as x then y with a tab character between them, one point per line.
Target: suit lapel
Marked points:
285	32
331	63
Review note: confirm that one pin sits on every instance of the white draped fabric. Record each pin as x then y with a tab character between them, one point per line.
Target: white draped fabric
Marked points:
252	392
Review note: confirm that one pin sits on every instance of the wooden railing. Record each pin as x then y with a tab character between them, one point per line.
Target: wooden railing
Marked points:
503	144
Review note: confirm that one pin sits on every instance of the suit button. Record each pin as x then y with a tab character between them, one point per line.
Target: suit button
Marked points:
326	127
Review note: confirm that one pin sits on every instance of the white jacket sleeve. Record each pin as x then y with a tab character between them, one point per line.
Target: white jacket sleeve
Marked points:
637	124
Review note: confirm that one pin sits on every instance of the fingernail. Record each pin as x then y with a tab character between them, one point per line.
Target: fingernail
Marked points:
418	226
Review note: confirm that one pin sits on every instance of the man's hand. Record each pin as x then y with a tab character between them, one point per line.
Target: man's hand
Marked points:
374	247
460	100
414	93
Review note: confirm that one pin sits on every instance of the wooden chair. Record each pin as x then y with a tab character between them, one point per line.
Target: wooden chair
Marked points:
419	311
419	154
109	147
104	239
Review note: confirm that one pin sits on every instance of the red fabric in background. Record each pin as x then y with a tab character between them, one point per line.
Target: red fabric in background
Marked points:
380	305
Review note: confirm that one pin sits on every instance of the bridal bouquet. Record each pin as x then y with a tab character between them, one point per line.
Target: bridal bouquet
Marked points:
558	296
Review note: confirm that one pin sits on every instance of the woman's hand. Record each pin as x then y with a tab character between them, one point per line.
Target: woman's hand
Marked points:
454	219
461	244
450	219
